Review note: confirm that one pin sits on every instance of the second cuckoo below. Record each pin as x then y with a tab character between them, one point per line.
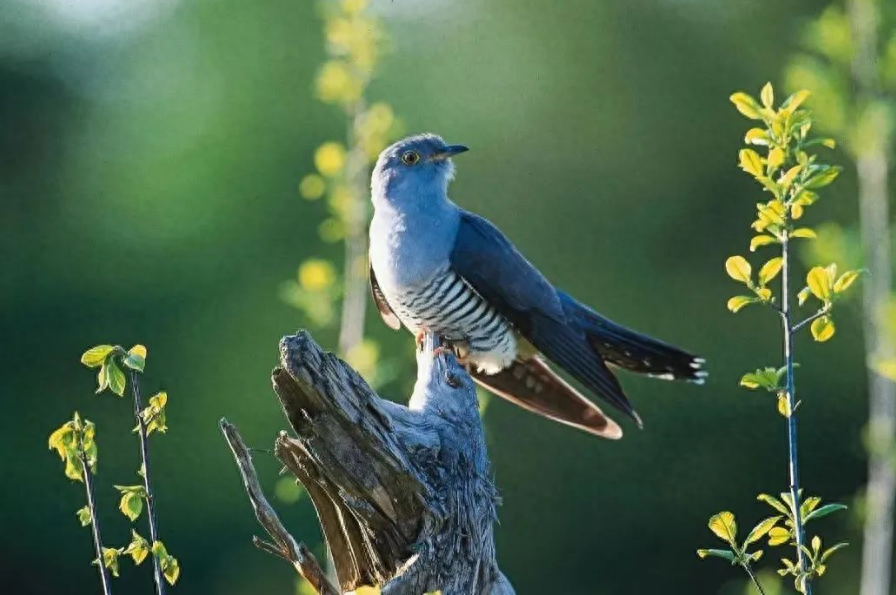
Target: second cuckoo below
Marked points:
437	267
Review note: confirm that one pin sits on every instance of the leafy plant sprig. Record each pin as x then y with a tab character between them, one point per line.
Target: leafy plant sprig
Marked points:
791	174
75	444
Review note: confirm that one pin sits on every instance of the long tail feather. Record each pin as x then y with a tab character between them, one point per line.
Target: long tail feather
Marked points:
531	384
632	350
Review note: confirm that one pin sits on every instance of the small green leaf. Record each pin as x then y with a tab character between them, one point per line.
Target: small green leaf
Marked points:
770	270
819	282
791	104
767	95
117	378
761	529
95	356
784	405
750	162
724	554
822	329
761	240
724	526
808	505
169	564
756	136
84	516
824	178
131	504
135	358
830	551
778	536
138	549
110	559
746	105
775	158
738	269
846	280
739	301
823	511
803	232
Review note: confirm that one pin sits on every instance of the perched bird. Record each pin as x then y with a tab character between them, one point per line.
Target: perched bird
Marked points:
437	267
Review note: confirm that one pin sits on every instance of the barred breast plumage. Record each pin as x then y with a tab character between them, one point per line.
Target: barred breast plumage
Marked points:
447	305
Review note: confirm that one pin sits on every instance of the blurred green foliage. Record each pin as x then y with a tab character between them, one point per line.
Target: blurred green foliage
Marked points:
149	174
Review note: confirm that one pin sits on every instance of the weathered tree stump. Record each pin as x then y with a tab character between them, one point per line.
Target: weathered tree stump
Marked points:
403	494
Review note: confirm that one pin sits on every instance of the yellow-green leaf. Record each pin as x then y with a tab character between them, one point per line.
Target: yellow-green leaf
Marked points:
819	283
822	329
138	549
84	516
824	178
724	526
767	95
778	536
770	270
739	301
764	293
135	358
738	269
110	559
750	162
746	105
784	404
756	136
845	280
775	158
803	232
116	378
761	240
761	529
788	178
791	104
95	356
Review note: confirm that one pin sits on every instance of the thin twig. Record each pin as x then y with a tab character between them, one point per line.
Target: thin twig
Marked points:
94	522
147	482
802	324
754	578
793	458
285	544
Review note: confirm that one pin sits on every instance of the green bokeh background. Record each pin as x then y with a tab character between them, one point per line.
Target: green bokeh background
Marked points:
150	154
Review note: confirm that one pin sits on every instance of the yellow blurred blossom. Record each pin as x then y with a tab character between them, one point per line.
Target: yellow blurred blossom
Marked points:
337	84
316	274
354	6
312	187
363	357
329	158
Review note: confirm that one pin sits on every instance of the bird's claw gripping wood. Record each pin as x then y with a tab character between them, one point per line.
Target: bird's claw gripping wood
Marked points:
403	494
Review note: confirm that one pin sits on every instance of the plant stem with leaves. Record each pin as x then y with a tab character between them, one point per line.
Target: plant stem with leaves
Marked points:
147	480
105	581
791	173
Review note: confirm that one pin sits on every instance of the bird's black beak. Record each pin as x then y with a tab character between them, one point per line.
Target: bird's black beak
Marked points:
449	151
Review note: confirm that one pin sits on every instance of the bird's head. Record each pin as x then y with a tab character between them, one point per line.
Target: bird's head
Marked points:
413	169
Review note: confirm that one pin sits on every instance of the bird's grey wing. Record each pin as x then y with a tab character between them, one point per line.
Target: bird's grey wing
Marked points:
381	304
486	259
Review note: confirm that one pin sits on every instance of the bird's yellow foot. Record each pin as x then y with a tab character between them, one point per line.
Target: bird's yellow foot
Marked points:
418	339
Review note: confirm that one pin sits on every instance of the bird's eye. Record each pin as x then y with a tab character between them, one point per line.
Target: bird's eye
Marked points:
410	157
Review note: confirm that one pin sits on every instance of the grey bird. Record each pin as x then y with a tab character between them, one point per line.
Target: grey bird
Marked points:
436	267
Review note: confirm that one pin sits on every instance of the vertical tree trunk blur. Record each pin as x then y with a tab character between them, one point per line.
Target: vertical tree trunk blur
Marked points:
351	329
872	164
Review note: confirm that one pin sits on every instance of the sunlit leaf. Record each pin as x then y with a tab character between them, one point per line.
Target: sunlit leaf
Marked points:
793	102
84	516
724	526
846	280
784	405
761	240
95	356
822	329
824	178
135	358
738	269
778	536
819	283
761	529
739	301
824	511
756	136
767	95
746	105
831	550
750	162
775	158
803	232
724	554
770	270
